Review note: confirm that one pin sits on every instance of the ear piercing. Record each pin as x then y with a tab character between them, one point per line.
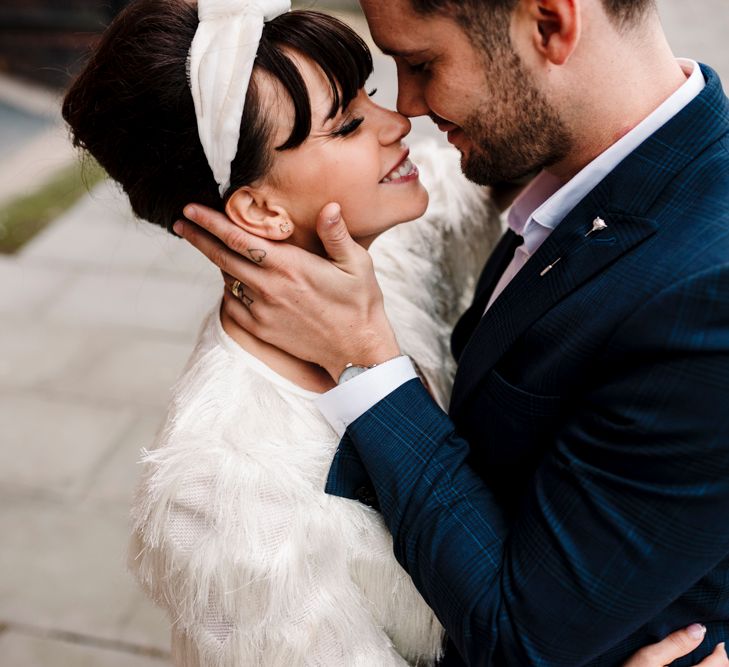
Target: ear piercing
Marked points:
285	227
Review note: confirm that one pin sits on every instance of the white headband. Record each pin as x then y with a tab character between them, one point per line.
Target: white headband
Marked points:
221	62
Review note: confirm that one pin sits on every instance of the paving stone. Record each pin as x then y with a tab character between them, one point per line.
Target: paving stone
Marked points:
64	568
143	302
54	445
18	650
36	354
101	231
26	290
134	370
117	477
35	162
147	625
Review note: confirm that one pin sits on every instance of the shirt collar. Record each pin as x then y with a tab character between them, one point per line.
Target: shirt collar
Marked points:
546	201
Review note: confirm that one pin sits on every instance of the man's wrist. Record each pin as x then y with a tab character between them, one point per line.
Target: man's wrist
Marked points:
365	359
352	370
345	403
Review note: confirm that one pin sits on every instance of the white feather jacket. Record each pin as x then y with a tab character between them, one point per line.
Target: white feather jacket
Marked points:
232	532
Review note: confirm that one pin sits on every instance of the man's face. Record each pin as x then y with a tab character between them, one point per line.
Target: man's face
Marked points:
487	103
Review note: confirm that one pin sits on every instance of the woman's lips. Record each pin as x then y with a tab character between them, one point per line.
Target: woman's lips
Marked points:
402	172
411	174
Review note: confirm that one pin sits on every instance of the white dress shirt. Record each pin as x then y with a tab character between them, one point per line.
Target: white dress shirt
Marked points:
543	204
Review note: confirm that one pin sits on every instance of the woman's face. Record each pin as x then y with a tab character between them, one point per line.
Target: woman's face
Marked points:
356	159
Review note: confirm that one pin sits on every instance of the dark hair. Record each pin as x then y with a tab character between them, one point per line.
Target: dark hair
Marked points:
132	109
468	12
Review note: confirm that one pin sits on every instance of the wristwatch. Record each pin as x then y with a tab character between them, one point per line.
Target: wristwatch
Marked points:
352	371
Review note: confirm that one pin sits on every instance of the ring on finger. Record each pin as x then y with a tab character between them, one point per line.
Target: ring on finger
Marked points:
236	289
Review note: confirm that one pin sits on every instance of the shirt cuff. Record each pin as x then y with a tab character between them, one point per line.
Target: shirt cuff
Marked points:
345	403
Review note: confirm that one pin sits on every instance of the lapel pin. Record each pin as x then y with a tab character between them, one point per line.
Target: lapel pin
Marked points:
598	224
548	268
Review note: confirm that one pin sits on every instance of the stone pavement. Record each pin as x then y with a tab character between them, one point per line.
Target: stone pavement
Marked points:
97	317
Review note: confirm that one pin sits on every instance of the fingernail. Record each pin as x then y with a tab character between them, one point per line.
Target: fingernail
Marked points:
189	212
177	228
696	631
335	215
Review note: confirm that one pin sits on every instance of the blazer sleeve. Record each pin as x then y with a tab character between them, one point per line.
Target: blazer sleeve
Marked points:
625	513
249	572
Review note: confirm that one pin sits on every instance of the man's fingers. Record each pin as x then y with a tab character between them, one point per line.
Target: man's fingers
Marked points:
241	314
674	646
226	260
240	290
247	245
717	659
334	235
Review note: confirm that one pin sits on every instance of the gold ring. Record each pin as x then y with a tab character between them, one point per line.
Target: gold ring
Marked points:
236	289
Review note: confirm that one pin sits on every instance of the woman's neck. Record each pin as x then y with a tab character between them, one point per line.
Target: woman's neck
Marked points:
302	373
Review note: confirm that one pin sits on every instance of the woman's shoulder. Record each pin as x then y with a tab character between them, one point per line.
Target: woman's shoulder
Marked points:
226	394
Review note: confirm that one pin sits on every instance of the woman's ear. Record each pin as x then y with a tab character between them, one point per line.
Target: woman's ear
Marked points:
250	209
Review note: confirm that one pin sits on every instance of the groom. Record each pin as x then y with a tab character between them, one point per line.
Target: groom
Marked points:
573	505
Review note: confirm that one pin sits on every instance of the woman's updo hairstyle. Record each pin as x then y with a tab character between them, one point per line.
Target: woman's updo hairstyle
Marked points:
132	109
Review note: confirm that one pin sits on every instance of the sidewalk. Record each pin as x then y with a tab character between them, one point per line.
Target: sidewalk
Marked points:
98	314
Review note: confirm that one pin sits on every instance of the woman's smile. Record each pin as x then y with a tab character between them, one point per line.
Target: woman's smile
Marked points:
403	172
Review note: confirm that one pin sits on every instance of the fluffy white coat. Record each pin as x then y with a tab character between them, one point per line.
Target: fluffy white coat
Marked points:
233	533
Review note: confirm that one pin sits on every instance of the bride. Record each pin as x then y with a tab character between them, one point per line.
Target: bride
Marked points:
233	533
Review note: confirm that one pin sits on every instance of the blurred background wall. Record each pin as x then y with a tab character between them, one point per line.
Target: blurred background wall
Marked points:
43	40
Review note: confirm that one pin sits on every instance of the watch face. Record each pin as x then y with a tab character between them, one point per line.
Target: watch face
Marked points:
351	372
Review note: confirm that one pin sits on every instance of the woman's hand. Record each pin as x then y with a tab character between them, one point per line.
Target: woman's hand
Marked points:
328	311
675	646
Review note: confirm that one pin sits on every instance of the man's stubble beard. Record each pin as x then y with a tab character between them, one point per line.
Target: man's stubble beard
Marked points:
518	132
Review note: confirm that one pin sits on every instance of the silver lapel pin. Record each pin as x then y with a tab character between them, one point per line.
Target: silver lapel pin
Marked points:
598	224
548	268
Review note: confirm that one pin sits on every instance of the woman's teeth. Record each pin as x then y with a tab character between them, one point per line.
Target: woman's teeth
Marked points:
405	169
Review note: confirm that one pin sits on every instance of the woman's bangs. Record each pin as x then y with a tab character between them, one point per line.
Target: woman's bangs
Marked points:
334	47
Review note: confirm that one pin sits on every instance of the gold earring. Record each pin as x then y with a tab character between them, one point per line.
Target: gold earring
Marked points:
285	227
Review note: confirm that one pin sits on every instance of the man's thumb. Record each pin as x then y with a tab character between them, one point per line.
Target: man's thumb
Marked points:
673	647
333	233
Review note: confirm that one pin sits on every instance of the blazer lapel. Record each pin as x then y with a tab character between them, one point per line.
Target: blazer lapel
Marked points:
623	200
575	258
495	266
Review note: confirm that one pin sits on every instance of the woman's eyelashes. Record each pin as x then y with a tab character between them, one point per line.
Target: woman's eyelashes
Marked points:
349	126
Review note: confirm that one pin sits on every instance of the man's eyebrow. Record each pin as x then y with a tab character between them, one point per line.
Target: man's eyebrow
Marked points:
402	53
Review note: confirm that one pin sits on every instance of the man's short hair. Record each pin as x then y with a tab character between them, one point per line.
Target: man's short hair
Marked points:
623	12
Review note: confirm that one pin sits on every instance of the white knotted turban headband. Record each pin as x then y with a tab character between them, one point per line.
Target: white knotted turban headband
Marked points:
221	62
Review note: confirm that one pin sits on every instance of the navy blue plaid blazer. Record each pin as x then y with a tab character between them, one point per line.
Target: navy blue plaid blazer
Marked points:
574	503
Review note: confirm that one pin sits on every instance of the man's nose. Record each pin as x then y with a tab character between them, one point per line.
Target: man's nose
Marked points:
410	99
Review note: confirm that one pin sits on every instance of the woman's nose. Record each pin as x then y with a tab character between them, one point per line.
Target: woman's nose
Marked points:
394	128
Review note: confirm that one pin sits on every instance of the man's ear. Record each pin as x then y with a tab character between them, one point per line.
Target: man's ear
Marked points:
249	208
555	27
